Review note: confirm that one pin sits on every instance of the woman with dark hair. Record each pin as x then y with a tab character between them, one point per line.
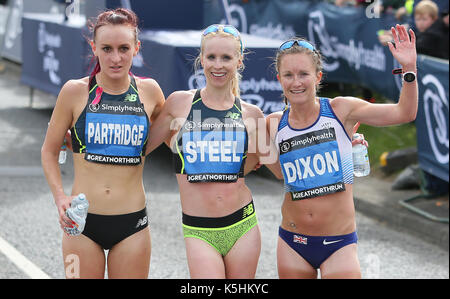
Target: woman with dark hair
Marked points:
108	115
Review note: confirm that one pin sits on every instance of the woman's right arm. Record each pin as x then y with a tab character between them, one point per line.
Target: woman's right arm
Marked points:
273	162
60	122
166	122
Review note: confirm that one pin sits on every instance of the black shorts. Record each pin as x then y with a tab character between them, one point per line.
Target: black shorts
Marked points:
108	230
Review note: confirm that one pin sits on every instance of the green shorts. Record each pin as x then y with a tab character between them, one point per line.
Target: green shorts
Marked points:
222	232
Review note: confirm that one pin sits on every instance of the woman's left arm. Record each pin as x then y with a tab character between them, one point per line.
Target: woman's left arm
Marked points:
405	53
261	149
153	99
405	110
250	115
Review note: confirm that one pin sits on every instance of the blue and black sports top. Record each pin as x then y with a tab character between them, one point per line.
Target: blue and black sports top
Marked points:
112	129
212	144
316	160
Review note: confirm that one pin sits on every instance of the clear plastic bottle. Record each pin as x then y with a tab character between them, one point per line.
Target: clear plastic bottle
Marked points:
77	212
63	153
361	164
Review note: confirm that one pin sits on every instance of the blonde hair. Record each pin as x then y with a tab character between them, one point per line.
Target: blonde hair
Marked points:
239	52
427	7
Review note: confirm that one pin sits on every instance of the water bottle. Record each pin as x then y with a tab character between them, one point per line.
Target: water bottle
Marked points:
77	212
63	153
361	165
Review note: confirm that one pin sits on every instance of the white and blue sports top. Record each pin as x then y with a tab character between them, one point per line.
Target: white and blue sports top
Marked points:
316	160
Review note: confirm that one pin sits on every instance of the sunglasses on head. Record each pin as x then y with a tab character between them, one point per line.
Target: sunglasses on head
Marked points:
225	28
301	43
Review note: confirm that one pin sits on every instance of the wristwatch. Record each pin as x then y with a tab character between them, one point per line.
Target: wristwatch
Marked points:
409	77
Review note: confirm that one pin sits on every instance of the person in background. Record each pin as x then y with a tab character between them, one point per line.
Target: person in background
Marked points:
445	21
432	33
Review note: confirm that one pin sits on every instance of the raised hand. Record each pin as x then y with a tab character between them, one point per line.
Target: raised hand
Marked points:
405	47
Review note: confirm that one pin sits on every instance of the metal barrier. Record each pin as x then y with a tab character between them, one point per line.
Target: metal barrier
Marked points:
407	203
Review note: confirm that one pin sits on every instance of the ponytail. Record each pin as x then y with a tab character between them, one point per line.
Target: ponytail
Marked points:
95	71
235	85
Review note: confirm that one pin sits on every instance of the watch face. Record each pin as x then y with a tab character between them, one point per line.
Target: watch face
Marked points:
409	77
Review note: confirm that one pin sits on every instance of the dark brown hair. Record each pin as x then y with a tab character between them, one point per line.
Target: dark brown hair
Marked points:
118	16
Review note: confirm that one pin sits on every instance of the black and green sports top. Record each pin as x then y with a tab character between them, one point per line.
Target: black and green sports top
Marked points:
212	144
112	129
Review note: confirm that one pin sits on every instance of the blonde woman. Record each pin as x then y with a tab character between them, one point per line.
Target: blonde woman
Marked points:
213	134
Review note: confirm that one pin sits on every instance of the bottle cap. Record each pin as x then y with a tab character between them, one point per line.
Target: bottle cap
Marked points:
355	136
81	196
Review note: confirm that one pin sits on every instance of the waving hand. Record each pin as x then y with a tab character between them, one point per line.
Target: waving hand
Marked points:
405	47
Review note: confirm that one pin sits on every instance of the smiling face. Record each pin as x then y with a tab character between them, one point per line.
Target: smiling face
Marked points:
115	46
220	59
298	77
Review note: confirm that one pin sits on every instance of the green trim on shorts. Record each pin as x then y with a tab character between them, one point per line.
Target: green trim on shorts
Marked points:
222	238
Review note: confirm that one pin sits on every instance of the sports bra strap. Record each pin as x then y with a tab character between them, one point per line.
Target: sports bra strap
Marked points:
196	96
237	101
93	83
133	83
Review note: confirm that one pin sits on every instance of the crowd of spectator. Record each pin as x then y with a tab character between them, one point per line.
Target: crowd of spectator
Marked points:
432	30
429	20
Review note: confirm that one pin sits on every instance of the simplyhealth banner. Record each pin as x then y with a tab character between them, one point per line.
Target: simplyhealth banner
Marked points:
432	116
347	37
